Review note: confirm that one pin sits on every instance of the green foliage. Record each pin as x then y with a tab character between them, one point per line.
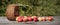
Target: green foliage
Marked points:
37	7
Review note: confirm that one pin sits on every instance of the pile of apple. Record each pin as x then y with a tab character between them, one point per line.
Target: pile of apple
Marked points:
33	18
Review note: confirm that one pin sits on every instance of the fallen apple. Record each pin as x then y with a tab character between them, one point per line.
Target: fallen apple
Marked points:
35	19
29	18
25	19
22	17
39	18
50	18
19	19
43	19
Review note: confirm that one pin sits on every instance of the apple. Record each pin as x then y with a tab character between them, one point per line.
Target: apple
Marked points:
39	18
25	19
49	18
29	18
35	19
43	19
19	19
22	17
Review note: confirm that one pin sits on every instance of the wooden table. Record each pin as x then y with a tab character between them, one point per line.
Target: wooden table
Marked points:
4	21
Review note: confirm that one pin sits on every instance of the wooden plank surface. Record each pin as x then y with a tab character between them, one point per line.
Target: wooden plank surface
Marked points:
4	21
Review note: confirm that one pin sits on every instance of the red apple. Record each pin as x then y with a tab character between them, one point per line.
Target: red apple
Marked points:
19	19
35	19
49	18
29	18
22	17
25	19
43	19
40	19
